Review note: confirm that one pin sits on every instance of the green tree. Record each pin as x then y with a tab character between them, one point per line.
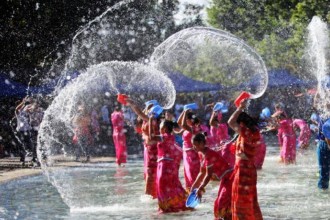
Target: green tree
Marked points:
276	29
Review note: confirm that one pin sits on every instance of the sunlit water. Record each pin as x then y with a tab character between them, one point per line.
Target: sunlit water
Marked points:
213	55
284	192
317	54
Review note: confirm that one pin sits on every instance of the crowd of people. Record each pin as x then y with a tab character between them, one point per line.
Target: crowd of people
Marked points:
183	134
208	154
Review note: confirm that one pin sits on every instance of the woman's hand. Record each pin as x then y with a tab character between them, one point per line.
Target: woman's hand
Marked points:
243	104
129	101
200	192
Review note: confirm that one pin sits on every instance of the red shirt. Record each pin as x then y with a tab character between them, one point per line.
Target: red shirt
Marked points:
213	159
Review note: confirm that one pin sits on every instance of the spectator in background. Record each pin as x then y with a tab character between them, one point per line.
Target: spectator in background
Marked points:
36	114
95	116
24	128
81	123
105	124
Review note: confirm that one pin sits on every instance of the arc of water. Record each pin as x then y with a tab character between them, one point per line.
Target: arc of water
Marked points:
84	28
174	40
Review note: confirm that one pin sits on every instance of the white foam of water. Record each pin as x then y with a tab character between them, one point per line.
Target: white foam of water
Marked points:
139	81
219	56
112	208
146	199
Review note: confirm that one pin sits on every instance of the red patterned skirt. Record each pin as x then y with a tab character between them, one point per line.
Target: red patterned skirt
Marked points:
244	193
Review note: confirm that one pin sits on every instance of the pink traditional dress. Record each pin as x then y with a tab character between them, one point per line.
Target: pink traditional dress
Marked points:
214	138
170	193
209	139
150	159
223	132
118	135
191	163
287	141
220	133
221	172
305	132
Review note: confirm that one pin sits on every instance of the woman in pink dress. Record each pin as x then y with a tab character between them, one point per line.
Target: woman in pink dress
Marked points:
150	146
170	193
286	137
190	123
118	135
219	131
214	167
305	133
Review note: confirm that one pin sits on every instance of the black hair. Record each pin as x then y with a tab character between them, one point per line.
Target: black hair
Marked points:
194	119
190	115
248	121
168	125
199	138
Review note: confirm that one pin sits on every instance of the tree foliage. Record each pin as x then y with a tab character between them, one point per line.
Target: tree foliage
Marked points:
276	29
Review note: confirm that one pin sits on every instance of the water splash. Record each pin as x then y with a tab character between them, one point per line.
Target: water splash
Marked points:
94	42
139	81
213	55
317	52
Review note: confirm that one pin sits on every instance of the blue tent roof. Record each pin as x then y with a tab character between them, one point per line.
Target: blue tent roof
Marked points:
10	88
283	78
279	78
183	83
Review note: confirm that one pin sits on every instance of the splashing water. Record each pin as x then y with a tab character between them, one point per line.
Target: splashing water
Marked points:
104	39
140	82
318	54
213	55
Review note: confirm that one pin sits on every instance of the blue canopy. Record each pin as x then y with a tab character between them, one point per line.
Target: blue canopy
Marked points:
279	79
183	83
283	78
10	88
